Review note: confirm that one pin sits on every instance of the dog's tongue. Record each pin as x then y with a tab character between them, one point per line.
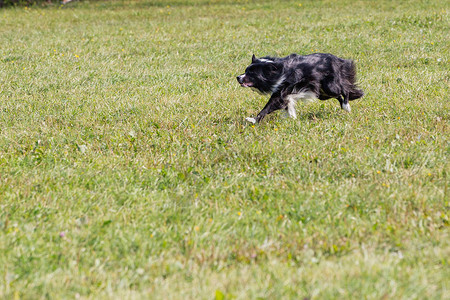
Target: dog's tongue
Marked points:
247	84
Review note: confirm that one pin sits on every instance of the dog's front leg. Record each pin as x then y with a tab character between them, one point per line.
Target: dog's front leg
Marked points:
275	102
343	100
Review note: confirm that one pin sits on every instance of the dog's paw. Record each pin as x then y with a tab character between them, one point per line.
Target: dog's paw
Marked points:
251	120
346	107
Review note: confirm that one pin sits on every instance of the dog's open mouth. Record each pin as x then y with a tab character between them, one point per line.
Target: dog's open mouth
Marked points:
247	84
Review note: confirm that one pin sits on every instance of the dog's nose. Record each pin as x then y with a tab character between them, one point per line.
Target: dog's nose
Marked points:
239	78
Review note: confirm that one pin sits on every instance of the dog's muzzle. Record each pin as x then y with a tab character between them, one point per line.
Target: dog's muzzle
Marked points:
240	78
243	82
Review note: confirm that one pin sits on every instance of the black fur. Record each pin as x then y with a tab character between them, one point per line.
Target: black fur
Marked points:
324	75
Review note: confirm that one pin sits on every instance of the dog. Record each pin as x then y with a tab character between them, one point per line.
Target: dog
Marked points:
301	77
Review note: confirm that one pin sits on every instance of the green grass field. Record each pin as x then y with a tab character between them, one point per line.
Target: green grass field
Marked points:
127	170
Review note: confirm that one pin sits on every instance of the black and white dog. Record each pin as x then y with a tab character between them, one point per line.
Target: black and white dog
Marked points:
296	77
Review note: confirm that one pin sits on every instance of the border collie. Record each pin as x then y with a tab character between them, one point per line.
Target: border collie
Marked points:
296	77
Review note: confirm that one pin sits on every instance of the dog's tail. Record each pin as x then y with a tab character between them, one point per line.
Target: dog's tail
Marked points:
350	74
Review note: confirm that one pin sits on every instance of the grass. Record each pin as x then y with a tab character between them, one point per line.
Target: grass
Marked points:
127	170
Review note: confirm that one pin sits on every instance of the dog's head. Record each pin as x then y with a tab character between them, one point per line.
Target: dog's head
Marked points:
262	74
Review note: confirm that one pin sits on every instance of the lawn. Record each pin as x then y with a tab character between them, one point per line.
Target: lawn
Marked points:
127	170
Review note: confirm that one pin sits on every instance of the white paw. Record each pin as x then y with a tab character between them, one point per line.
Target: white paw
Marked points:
251	120
346	107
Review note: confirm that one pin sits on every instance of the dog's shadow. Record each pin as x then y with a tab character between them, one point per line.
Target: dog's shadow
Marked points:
280	116
316	115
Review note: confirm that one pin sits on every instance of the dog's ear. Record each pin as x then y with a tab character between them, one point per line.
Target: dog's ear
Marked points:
254	59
